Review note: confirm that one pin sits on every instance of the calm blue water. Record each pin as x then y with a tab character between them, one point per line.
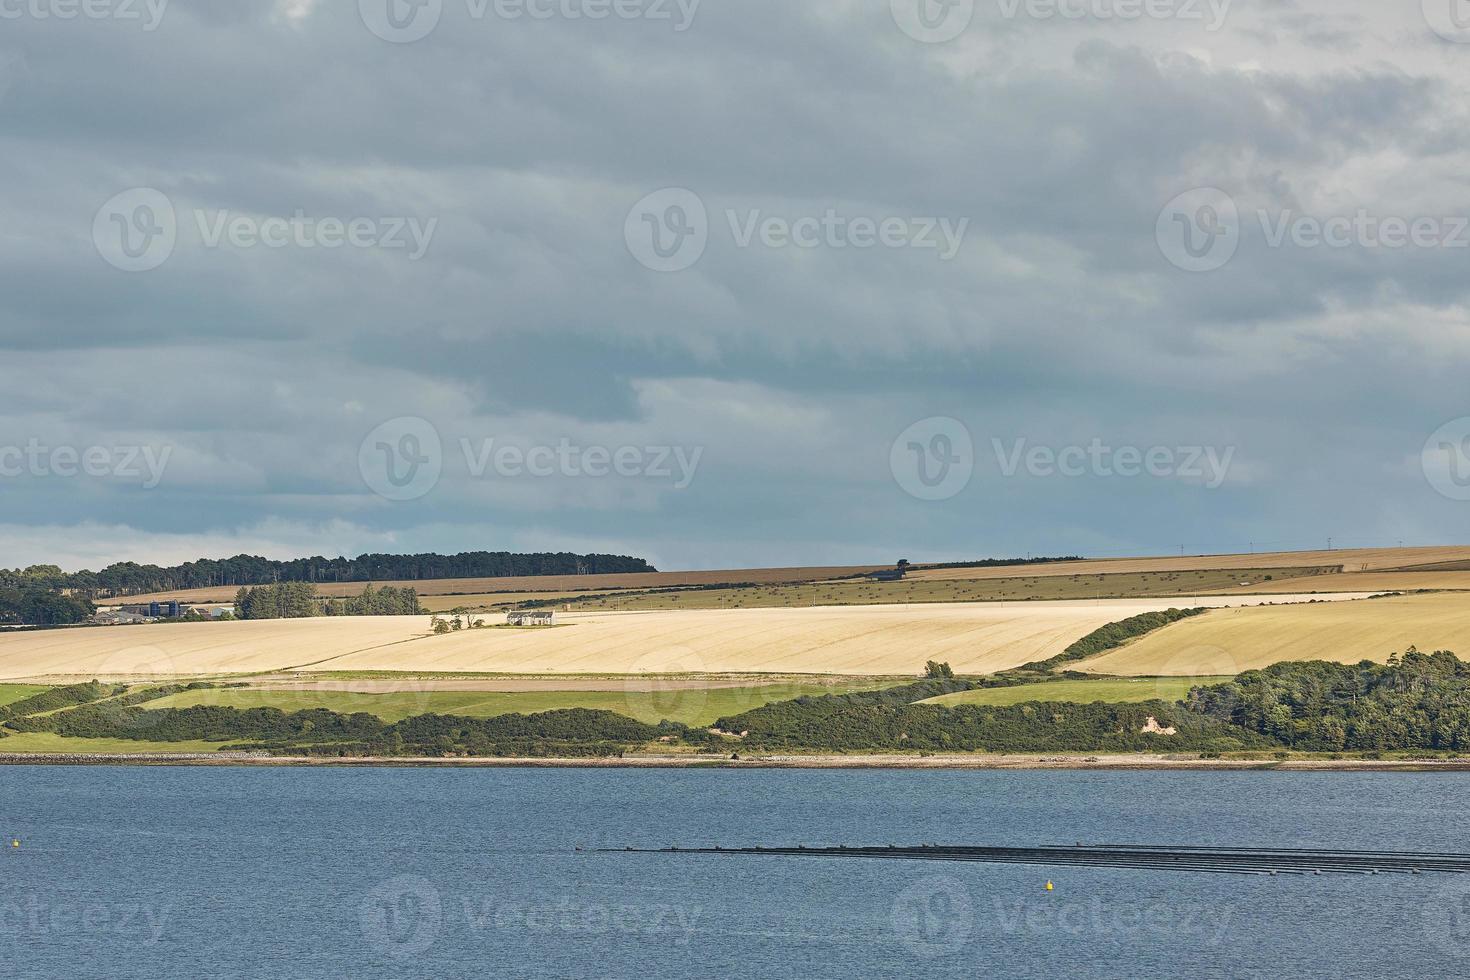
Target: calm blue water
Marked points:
447	873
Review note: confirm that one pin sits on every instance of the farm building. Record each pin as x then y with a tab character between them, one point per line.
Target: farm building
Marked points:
536	617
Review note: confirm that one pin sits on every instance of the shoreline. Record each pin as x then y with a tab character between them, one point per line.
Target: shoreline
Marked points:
1116	763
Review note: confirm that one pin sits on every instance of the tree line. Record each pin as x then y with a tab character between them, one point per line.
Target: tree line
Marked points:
130	578
298	600
31	605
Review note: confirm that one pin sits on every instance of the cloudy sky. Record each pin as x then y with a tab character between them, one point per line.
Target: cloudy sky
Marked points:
732	283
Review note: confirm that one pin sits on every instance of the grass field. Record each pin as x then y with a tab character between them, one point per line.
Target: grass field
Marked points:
1228	641
11	693
47	742
1110	690
690	705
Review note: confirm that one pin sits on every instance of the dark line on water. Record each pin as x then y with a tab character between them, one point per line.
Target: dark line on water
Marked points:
1213	860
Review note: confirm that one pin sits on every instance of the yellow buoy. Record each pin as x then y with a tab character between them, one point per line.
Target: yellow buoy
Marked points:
1049	886
15	843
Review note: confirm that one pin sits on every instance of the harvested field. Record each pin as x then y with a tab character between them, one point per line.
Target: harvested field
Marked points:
195	649
853	640
1229	641
547	583
1353	560
1125	585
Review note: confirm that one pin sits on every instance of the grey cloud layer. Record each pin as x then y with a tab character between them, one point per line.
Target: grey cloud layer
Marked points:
793	369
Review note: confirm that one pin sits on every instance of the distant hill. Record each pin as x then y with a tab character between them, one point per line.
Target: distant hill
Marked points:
129	578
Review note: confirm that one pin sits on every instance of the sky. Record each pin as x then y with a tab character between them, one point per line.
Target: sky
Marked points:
732	284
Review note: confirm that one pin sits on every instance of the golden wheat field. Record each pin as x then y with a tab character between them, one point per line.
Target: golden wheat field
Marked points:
1228	641
193	649
850	640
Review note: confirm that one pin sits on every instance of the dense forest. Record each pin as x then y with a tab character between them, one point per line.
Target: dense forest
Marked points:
889	720
317	731
1415	701
129	578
